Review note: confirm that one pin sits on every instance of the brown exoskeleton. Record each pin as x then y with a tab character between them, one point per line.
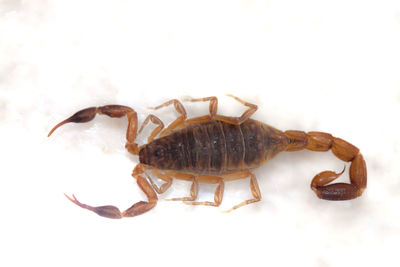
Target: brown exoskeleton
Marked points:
215	149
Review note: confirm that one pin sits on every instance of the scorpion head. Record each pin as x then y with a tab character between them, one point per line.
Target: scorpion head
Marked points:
154	155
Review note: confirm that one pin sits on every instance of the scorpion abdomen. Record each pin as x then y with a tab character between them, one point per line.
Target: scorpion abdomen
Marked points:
215	147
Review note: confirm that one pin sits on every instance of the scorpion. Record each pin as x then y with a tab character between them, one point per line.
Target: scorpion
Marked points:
215	149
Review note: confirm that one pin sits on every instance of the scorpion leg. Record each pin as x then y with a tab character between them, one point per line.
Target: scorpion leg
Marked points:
166	178
156	131
255	189
114	111
197	120
138	208
214	107
218	195
318	141
194	188
238	120
179	108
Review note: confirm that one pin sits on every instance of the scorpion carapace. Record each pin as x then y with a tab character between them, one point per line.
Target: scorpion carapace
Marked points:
215	149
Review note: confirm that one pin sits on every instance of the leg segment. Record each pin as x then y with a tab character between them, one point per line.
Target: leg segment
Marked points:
214	107
238	120
194	188
114	111
179	108
156	131
138	208
218	195
255	191
318	141
166	178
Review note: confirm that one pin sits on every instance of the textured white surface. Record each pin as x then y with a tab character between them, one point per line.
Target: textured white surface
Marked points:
308	65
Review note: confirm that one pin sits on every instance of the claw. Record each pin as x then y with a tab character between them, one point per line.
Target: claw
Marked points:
111	212
84	115
76	202
58	125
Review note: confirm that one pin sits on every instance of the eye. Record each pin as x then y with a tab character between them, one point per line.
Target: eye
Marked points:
159	153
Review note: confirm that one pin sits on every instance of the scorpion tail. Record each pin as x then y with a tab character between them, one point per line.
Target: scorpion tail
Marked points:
319	141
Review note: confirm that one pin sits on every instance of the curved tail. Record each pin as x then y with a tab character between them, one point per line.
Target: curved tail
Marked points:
319	141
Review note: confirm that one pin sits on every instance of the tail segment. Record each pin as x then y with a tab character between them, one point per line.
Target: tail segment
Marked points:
319	141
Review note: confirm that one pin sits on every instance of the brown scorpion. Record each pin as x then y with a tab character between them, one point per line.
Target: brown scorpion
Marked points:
215	149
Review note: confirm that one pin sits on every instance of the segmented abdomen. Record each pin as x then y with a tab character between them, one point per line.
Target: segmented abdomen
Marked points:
214	147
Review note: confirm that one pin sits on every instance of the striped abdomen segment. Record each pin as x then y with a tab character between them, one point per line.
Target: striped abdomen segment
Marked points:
214	147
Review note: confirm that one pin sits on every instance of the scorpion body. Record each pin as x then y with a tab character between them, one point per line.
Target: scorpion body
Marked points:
215	149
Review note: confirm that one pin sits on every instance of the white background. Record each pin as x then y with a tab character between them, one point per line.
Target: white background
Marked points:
308	65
